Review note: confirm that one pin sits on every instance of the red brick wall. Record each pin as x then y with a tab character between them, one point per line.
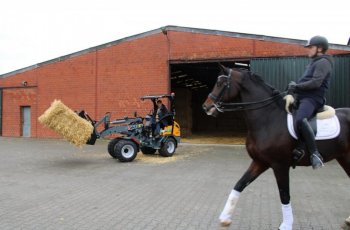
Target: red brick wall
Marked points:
114	78
72	81
13	99
195	46
16	95
129	71
108	80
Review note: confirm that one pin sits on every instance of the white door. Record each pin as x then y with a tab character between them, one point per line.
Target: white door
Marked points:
25	121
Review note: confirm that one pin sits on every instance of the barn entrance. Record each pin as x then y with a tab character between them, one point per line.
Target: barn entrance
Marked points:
192	82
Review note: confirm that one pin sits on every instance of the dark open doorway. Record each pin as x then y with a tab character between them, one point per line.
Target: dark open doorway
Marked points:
192	82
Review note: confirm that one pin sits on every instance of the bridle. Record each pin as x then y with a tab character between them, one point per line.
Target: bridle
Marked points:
240	106
225	89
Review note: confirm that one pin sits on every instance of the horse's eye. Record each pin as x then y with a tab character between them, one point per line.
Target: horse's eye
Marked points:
220	83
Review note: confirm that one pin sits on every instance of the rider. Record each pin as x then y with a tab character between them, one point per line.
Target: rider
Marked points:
310	90
161	112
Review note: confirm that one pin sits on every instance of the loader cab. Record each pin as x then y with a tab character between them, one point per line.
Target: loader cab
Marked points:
154	98
167	118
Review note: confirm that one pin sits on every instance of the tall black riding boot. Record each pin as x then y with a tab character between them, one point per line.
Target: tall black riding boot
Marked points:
309	138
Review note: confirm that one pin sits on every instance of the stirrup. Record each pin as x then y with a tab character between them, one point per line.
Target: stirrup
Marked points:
297	155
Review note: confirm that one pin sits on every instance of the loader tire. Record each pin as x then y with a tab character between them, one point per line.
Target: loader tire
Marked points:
125	150
111	146
168	147
148	150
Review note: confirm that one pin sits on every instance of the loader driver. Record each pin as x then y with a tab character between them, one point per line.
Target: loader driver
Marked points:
160	123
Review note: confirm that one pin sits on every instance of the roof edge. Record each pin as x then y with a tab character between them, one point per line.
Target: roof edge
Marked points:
81	52
171	28
250	36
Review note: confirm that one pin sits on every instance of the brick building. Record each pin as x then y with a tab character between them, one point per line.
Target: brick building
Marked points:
112	77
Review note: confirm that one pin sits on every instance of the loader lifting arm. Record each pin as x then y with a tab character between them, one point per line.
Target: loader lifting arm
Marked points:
122	126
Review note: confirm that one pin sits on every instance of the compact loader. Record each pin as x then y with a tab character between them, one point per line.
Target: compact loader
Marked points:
137	133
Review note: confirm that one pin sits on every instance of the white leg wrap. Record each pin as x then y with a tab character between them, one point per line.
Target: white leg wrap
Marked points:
346	224
287	213
226	214
348	220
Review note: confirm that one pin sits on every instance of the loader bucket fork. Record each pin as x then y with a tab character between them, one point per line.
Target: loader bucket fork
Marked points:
93	136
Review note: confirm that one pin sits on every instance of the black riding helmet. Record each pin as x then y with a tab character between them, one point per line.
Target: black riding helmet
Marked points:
318	41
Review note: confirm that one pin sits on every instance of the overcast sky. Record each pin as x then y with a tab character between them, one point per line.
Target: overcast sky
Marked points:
34	31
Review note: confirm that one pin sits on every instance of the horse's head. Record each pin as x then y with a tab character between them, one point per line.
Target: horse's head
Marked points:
227	87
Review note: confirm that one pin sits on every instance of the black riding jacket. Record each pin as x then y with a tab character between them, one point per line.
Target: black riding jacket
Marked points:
162	111
315	81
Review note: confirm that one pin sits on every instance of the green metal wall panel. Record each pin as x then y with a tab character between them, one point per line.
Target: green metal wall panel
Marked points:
278	72
339	93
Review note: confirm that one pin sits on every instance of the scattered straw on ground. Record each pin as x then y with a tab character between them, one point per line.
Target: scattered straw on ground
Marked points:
157	159
216	138
67	123
220	138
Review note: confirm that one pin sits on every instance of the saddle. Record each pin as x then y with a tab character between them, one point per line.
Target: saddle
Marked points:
325	124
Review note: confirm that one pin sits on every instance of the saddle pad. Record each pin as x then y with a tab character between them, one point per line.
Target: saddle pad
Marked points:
326	128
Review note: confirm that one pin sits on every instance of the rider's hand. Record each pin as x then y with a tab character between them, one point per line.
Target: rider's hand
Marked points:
289	102
291	87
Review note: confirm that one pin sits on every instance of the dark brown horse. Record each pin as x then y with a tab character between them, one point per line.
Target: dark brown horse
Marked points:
268	141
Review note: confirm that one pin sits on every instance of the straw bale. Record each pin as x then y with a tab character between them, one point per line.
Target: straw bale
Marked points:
67	123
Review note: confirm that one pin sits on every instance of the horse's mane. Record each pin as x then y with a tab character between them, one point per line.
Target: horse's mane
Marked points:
260	80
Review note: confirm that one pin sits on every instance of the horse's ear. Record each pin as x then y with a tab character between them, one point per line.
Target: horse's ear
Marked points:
223	69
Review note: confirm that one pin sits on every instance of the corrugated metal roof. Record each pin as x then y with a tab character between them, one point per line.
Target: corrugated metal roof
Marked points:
172	28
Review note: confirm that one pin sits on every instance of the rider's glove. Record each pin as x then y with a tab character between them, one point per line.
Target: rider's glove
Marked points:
289	102
291	87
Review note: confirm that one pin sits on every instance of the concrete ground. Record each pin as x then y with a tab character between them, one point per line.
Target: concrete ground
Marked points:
50	184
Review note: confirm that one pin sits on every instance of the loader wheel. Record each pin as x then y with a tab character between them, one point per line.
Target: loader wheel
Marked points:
111	146
168	148
148	150
125	150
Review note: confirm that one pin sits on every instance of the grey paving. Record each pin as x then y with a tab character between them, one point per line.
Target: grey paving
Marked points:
50	184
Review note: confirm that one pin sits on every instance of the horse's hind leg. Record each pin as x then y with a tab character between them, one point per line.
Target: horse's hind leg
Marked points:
345	164
254	170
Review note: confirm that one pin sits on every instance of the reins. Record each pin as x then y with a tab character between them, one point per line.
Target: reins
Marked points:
241	106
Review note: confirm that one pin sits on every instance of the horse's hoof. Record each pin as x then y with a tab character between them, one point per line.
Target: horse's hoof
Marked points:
225	223
346	225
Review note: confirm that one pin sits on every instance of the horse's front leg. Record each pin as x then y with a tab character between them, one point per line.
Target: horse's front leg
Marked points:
254	170
282	178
